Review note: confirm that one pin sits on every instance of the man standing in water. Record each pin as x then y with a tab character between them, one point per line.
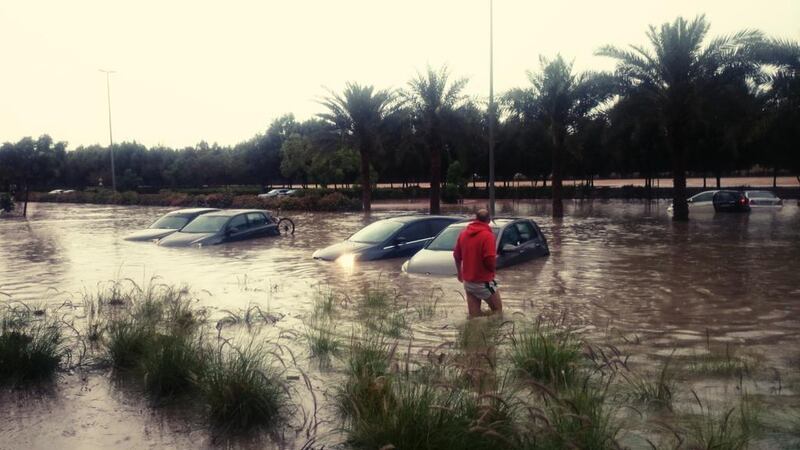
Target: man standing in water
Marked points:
476	258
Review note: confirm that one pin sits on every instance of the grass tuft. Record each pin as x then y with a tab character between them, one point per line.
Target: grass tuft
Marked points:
241	391
733	429
30	353
655	391
546	354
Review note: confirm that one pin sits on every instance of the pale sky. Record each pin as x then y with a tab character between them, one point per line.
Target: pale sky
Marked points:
218	71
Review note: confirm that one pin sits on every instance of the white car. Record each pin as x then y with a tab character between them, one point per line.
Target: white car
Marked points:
278	193
702	200
763	199
61	191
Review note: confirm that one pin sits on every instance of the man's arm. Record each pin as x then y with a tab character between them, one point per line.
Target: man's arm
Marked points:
457	257
489	255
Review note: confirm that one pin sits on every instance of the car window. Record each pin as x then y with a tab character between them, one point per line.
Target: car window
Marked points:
526	231
205	224
724	196
510	236
703	197
256	219
416	231
376	232
239	222
438	225
170	222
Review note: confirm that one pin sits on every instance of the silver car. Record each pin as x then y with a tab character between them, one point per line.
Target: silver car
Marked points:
763	199
703	200
167	224
520	240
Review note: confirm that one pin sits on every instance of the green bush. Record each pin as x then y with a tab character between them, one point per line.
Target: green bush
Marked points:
29	351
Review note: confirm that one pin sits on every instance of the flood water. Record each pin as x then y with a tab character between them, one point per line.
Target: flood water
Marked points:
625	265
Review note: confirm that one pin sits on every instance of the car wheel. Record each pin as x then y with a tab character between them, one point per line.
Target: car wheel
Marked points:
285	226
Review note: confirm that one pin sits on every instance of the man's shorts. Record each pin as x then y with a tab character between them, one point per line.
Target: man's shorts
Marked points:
481	289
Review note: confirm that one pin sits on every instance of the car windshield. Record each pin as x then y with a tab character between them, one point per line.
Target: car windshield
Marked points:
446	240
761	194
206	224
376	232
170	222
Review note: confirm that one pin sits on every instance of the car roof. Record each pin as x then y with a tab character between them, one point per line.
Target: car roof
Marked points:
414	218
191	211
233	212
495	224
759	190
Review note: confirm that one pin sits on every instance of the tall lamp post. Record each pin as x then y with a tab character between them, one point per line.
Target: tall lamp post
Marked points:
491	107
110	136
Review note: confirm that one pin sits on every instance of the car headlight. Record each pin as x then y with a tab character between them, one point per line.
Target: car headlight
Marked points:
347	261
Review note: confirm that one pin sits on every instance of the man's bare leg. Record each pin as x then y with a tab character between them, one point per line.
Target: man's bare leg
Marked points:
495	302
473	305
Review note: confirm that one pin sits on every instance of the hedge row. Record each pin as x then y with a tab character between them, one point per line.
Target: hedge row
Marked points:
334	201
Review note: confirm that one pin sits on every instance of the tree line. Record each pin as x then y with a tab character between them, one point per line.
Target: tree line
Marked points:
683	103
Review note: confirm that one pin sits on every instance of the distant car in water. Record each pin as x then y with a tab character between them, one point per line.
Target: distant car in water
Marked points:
519	240
389	238
703	200
228	226
730	201
168	224
763	199
61	191
278	193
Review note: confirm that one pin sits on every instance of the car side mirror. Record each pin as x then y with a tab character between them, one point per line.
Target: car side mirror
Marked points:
400	240
508	248
688	200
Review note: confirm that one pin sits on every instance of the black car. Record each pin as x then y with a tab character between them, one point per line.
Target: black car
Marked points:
224	226
168	224
389	238
730	201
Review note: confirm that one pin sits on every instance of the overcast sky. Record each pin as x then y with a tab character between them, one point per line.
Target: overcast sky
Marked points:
217	71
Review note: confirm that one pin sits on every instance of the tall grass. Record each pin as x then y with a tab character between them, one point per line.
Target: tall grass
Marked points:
29	353
546	353
241	391
654	391
731	429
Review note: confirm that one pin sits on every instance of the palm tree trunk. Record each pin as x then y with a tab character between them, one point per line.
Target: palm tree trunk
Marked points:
436	176
366	186
679	205
558	204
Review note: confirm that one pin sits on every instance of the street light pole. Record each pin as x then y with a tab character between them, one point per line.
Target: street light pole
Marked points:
110	136
491	107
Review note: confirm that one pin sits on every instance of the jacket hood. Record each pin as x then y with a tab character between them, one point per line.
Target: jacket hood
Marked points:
476	227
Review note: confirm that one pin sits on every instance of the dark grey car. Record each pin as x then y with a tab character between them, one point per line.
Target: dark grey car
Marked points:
224	226
520	240
389	238
168	224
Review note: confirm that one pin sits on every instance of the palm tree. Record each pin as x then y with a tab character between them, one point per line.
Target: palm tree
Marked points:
358	114
433	102
676	73
560	100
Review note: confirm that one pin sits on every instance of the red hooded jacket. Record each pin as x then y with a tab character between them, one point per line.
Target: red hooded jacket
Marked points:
476	252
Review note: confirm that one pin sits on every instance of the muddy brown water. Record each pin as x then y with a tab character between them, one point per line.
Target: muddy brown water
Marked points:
613	265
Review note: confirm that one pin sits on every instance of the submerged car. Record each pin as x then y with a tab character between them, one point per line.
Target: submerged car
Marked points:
389	238
519	240
703	200
763	199
730	201
168	224
228	226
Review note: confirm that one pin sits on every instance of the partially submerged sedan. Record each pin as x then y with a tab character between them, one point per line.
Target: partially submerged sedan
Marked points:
226	226
763	199
520	240
168	224
389	238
